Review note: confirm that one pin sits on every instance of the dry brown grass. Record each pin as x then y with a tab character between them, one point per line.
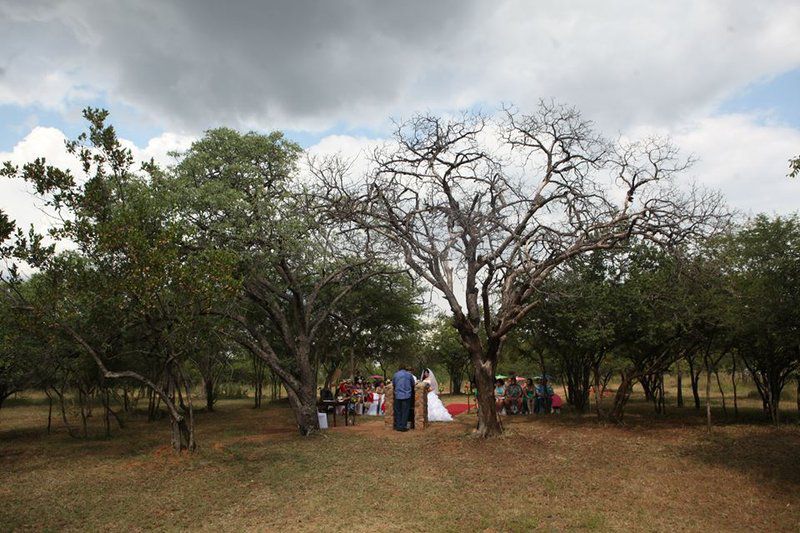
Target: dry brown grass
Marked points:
252	472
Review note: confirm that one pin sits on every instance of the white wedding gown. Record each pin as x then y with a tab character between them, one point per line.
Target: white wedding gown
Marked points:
437	412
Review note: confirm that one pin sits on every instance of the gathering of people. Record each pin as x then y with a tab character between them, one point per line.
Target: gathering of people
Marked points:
517	395
514	395
359	395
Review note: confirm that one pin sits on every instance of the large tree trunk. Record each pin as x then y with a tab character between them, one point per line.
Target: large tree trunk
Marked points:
329	373
694	377
303	396
126	404
181	436
770	385
680	388
648	387
564	387
304	406
274	386
484	365
182	430
106	406
488	421
776	388
208	385
82	407
190	420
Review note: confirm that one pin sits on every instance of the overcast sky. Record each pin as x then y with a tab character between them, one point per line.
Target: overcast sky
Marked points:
722	78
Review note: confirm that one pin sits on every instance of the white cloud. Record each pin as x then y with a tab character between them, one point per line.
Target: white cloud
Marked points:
17	197
356	151
159	148
740	155
744	156
746	159
195	64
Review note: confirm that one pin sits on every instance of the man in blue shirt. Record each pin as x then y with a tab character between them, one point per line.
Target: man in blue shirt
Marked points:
403	382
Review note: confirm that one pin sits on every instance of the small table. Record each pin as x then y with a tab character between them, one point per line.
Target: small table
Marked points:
337	403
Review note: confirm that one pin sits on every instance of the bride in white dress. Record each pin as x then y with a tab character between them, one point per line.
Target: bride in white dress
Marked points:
437	412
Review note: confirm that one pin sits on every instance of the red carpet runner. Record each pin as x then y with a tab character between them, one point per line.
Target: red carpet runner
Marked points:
456	409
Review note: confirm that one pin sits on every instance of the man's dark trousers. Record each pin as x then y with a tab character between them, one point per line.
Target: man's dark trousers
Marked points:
402	408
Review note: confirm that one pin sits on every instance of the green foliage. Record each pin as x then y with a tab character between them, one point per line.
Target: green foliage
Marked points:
443	348
376	323
763	265
581	319
305	293
16	366
794	167
186	273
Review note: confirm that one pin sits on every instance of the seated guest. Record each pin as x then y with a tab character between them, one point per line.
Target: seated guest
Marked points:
556	403
325	394
544	392
538	396
512	399
499	393
530	394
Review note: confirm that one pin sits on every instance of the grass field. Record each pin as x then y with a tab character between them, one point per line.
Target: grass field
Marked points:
252	472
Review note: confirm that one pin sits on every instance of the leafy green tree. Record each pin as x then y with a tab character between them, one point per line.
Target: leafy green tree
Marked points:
211	353
486	213
375	324
764	267
291	266
126	281
16	364
577	323
703	301
444	348
651	324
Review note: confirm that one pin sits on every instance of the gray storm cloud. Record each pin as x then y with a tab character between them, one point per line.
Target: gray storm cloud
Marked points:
314	64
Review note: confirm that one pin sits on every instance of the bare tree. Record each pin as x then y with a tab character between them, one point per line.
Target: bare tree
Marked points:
486	210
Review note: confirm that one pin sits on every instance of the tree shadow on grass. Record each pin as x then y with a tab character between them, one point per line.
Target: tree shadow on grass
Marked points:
767	454
640	415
